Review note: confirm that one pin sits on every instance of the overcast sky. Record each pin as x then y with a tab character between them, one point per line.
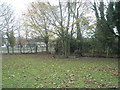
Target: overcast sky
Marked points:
20	6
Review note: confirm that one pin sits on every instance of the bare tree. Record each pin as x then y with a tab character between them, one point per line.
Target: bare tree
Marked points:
7	25
38	22
66	18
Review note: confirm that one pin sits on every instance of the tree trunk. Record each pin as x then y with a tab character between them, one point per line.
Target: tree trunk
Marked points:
68	46
20	48
118	46
46	46
36	49
65	45
79	38
107	51
79	35
8	49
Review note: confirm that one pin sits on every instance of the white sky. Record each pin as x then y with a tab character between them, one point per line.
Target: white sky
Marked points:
20	6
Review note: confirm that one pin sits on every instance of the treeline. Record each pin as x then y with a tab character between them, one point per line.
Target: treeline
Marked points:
79	27
70	23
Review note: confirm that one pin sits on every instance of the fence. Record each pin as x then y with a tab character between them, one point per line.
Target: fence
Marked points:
25	49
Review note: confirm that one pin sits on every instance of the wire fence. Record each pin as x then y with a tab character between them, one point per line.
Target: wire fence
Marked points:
32	49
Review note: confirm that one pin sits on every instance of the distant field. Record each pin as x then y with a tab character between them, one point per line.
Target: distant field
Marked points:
44	71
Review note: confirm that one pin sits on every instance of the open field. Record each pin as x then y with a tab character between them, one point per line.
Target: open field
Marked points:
42	70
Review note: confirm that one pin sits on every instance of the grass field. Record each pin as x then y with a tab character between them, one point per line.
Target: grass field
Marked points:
43	71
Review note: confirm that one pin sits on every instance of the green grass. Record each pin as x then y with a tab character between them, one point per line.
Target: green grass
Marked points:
37	71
